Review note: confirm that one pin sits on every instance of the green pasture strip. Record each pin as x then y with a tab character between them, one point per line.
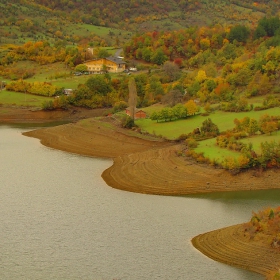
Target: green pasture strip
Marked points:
224	120
212	151
44	72
103	31
21	99
258	139
71	82
169	130
155	108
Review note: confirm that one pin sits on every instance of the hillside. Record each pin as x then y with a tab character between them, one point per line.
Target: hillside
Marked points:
75	21
189	12
28	21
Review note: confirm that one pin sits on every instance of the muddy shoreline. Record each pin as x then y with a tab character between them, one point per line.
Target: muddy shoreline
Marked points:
149	165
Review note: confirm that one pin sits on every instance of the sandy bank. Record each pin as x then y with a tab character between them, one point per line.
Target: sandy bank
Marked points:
31	115
147	165
230	246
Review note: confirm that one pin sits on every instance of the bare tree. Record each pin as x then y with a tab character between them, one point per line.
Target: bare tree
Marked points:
172	97
171	70
132	100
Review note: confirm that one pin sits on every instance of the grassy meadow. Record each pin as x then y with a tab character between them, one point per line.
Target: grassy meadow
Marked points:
212	151
21	99
224	120
172	130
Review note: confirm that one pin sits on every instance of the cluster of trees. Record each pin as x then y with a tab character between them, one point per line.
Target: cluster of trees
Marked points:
37	88
60	102
266	124
179	111
237	104
207	130
270	101
230	141
43	53
28	19
224	61
265	224
13	73
269	155
131	12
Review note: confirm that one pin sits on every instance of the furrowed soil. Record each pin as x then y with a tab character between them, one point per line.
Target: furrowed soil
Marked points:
233	247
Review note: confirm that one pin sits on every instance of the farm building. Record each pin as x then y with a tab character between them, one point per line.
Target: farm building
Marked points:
110	64
138	113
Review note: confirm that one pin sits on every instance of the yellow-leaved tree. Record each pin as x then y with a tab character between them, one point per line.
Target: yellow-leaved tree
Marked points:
192	108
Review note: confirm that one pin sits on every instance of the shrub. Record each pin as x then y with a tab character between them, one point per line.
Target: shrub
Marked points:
191	143
48	105
127	122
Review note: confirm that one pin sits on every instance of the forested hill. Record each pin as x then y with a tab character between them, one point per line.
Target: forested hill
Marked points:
167	14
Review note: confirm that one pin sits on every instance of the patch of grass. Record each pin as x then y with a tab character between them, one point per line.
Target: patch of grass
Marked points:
258	139
224	120
212	151
21	99
154	108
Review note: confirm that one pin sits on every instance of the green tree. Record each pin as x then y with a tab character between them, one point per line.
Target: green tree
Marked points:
180	111
270	25
98	84
81	68
253	127
158	57
239	33
209	128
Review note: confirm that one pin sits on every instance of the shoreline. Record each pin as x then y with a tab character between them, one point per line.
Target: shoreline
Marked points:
230	246
148	165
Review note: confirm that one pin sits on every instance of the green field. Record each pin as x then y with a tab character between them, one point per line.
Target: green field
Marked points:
21	99
224	120
212	151
258	139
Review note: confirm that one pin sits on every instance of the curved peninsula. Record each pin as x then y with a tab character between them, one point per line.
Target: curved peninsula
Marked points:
231	246
147	165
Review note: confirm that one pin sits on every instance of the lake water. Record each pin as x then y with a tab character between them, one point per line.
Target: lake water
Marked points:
59	220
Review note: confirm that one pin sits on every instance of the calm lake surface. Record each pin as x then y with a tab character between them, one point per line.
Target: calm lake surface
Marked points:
59	220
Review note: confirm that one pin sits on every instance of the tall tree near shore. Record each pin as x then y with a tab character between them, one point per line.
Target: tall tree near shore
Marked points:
132	99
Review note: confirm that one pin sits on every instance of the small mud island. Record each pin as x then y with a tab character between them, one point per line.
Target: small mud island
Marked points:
144	164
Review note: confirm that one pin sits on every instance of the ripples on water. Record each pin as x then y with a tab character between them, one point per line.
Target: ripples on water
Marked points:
59	220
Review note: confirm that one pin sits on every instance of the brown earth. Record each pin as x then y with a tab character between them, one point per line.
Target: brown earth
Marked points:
148	165
231	246
31	115
145	164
